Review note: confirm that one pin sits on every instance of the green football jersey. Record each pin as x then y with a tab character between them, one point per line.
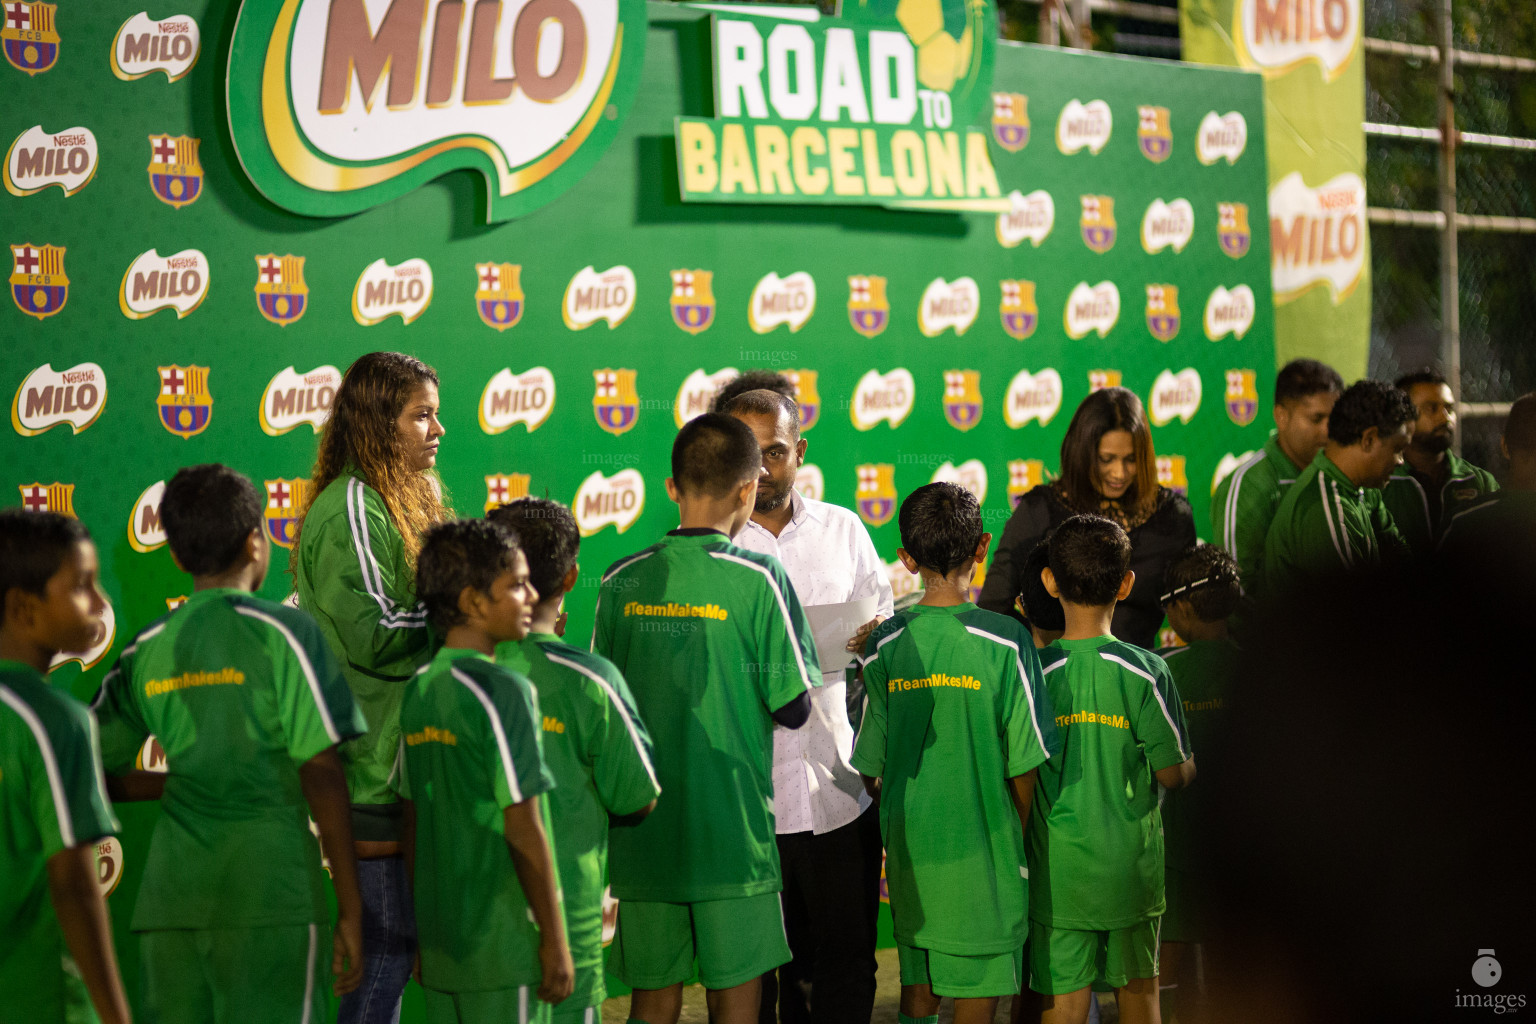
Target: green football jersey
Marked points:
954	707
470	749
1486	529
355	579
240	692
1095	836
712	640
600	755
51	799
1244	506
1423	521
1326	524
1203	672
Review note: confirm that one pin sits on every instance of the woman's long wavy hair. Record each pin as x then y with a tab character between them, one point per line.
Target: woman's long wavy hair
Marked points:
1101	412
363	434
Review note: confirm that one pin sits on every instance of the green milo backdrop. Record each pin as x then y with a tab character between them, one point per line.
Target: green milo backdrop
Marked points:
188	319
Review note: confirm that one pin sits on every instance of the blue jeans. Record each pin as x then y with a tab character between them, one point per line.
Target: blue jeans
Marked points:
389	943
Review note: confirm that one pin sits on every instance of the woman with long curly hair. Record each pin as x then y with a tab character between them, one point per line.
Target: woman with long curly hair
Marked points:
1107	468
374	494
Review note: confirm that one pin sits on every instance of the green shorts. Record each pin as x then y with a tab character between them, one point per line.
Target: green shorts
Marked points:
245	975
585	1003
1063	960
734	941
503	1005
964	977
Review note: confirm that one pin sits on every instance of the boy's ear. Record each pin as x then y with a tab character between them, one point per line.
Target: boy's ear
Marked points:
982	546
1504	449
470	602
1049	579
672	492
1125	585
1370	437
569	583
907	560
747	495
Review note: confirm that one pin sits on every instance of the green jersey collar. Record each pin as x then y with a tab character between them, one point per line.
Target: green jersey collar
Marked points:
6	665
1327	467
448	655
545	638
1091	644
1282	460
948	609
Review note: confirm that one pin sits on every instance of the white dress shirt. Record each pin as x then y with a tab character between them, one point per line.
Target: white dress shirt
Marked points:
830	559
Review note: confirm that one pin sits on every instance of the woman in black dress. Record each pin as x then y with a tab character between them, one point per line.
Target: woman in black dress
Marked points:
1107	468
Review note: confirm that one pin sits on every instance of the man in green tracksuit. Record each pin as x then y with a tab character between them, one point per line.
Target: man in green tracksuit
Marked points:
1333	517
1246	499
1434	483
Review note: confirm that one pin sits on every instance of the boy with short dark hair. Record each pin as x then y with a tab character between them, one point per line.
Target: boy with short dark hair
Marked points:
56	956
248	703
1203	592
595	744
490	927
713	642
1095	839
954	728
1041	611
1245	500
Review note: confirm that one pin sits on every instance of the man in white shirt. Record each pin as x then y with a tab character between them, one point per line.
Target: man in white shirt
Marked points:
828	835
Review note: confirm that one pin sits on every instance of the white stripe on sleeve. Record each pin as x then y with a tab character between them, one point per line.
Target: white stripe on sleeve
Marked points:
373	575
1340	545
1177	736
778	594
500	733
613	698
1029	695
304	663
50	761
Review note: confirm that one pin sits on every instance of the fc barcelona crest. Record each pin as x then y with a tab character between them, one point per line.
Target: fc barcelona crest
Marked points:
962	398
1099	223
1232	229
1242	397
615	403
1163	311
175	175
38	285
54	497
693	301
281	294
1171	473
186	404
499	294
1010	120
285	503
806	396
1098	380
1154	132
30	39
1020	314
1024	475
876	494
868	310
501	488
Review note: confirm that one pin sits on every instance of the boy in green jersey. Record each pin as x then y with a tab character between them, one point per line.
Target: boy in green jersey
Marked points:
716	649
1334	519
1095	848
1041	611
249	705
954	729
490	929
56	956
1203	593
1245	500
595	744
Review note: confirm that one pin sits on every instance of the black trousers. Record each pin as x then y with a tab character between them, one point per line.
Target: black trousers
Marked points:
831	903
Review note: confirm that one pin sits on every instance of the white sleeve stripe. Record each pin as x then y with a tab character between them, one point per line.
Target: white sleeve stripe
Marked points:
864	717
613	697
501	735
789	625
50	762
304	663
148	634
1029	694
309	975
883	641
1333	532
1046	670
625	564
373	575
1230	513
1178	737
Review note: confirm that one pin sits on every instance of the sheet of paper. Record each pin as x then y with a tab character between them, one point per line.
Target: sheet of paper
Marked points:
833	624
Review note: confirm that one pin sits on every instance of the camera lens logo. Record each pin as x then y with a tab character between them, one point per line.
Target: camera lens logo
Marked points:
1485	969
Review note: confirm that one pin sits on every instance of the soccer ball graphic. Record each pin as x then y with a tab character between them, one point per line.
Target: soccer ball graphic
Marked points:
1485	969
941	58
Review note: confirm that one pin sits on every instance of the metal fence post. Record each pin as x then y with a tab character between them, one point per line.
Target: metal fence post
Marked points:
1450	292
